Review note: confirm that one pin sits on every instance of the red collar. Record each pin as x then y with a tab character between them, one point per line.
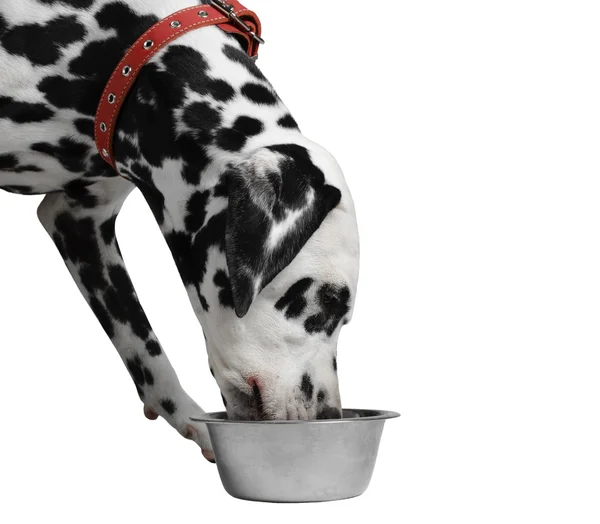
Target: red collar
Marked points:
230	15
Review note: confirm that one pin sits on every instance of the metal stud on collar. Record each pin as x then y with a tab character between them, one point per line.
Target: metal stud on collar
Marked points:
148	44
103	127
175	24
112	98
126	70
203	14
105	153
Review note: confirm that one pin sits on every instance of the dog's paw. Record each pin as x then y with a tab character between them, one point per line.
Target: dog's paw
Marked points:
199	434
150	413
190	430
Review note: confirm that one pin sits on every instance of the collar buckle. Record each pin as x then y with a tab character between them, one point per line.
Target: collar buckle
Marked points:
229	10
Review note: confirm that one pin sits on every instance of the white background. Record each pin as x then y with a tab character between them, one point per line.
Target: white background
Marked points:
469	134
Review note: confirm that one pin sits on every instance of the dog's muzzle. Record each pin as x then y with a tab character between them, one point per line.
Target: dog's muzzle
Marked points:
245	406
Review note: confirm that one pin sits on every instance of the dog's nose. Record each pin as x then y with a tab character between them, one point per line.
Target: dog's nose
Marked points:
254	383
329	412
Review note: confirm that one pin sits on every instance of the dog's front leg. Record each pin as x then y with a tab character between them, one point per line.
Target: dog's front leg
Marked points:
81	222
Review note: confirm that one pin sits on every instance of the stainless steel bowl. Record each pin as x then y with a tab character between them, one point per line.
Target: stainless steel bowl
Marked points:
297	461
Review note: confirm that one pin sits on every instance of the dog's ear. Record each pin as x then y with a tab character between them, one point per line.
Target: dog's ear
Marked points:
277	200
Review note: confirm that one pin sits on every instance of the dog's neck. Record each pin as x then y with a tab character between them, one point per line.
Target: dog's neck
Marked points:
200	108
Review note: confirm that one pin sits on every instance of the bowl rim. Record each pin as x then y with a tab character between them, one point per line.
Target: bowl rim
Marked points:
211	418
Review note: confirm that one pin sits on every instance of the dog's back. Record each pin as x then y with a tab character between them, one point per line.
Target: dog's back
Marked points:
55	58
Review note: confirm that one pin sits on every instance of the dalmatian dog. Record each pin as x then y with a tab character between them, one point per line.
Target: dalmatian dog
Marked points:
258	218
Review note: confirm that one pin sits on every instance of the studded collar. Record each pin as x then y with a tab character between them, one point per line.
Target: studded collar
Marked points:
231	16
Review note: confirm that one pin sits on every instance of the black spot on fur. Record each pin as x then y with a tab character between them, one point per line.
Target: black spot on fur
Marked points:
221	189
70	153
148	377
142	173
190	65
203	302
78	4
57	239
202	119
107	230
220	90
248	126
195	157
96	62
156	201
78	191
168	405
8	162
196	211
67	93
79	239
140	391
24	112
187	63
43	44
334	303
124	149
294	299
296	308
115	307
315	323
20	190
99	168
180	244
28	168
237	55
122	302
92	278
335	364
231	140
212	235
221	280
259	94
191	254
153	348
287	122
321	396
85	126
128	24
307	386
134	365
102	316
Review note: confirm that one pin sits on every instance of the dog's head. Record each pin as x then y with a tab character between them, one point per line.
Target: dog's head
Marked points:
280	284
259	220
